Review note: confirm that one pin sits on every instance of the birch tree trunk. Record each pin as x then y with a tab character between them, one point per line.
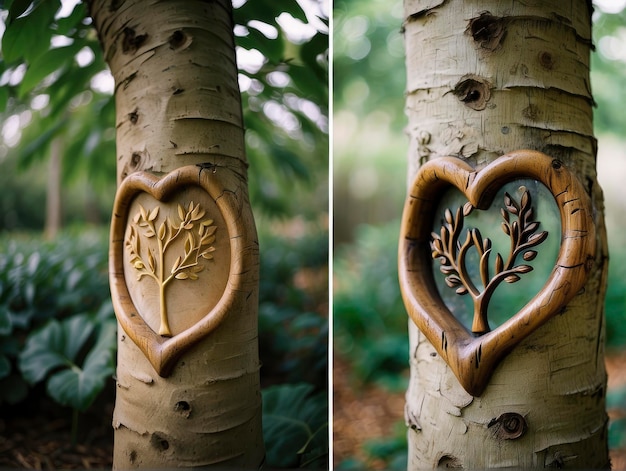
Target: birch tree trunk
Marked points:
484	79
178	105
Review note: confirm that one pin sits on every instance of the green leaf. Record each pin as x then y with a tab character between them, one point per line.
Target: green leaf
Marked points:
77	330
35	149
44	65
295	422
4	98
42	352
310	52
5	366
17	8
78	387
272	49
65	25
56	344
5	322
28	37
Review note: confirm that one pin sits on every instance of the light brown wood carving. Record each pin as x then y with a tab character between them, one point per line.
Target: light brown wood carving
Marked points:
175	260
473	356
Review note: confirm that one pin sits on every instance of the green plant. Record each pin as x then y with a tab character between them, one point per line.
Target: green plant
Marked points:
293	333
74	356
616	400
295	426
41	281
369	317
615	301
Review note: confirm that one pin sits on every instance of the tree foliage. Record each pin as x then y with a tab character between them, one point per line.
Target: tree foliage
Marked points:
54	84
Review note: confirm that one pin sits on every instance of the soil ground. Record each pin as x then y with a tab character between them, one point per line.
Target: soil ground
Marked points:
41	439
364	413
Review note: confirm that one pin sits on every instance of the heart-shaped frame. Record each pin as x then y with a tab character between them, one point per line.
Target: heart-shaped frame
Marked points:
471	358
163	352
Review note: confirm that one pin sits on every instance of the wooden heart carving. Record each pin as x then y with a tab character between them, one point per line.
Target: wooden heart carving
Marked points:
175	260
473	357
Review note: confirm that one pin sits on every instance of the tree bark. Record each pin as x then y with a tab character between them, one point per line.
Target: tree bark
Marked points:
178	105
485	79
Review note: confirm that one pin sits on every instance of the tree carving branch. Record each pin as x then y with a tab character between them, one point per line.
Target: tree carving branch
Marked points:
151	262
452	254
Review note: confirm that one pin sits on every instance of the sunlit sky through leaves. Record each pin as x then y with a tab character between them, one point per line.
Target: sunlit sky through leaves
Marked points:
249	61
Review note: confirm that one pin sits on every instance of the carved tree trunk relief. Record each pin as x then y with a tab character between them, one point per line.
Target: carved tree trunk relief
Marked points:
184	250
484	80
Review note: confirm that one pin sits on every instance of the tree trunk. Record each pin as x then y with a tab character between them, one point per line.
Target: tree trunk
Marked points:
188	389
485	79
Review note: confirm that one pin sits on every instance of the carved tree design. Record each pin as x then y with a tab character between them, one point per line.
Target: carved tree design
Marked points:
451	253
186	266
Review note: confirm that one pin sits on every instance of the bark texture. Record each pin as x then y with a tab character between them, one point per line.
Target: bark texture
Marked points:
485	79
178	104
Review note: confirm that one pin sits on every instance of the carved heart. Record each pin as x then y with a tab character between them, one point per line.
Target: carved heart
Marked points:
473	358
131	264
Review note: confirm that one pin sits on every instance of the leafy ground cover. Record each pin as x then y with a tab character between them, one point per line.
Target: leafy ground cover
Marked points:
57	350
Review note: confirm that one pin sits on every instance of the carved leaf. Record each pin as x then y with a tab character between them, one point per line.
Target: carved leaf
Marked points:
506	229
537	239
176	265
181	213
487	244
207	239
447	269
181	276
461	290
525	202
510	204
153	214
532	227
143	212
207	253
524	268
150	260
512	278
445	236
499	264
505	215
478	239
467	209
453	280
529	255
162	231
189	243
448	216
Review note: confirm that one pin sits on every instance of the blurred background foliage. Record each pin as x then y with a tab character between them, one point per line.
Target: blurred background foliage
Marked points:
57	115
369	187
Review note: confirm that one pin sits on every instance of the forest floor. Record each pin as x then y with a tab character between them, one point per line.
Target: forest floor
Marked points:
366	413
41	437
